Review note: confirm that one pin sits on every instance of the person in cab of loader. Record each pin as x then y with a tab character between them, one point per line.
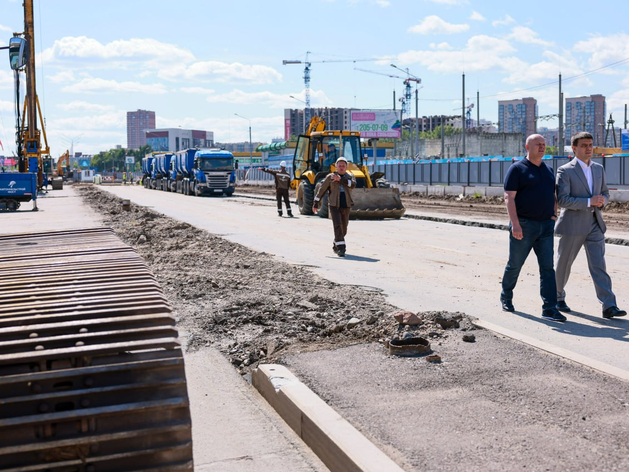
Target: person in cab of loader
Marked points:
330	157
282	184
340	185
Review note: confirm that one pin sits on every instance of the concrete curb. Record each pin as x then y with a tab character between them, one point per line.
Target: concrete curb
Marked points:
340	446
563	353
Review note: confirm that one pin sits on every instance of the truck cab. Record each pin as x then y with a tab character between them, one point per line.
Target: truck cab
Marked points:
214	172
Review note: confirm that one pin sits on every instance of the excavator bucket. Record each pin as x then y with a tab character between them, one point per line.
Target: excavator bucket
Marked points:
376	203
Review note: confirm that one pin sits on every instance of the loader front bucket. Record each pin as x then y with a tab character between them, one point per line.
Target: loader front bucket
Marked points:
376	203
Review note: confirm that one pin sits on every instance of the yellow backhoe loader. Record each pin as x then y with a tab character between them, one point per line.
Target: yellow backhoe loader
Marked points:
315	155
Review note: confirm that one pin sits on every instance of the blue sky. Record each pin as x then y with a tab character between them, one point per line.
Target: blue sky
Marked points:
197	63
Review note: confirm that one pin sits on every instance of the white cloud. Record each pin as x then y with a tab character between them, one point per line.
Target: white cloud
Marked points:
616	102
477	16
444	46
382	3
85	106
120	53
64	76
6	79
198	90
434	25
505	21
270	99
604	50
222	72
525	35
101	121
98	85
6	28
479	54
7	106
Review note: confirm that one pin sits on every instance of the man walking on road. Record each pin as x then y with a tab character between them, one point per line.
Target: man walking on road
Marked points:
530	198
581	193
282	184
340	185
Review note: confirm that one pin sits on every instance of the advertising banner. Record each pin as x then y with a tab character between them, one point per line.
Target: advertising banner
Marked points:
624	139
129	160
376	123
286	129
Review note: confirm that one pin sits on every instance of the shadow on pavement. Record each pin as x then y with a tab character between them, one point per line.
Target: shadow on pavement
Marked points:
616	328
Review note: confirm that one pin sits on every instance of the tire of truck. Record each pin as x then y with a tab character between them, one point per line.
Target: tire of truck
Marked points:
229	193
305	197
197	192
323	204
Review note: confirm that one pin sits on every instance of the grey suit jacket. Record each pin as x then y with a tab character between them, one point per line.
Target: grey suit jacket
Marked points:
572	196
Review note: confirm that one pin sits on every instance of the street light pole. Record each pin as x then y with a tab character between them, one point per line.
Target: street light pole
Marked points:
250	144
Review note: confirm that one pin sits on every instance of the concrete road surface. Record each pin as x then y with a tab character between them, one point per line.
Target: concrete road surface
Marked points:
420	265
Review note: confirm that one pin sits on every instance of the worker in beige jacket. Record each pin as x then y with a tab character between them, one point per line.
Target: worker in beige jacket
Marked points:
340	185
282	184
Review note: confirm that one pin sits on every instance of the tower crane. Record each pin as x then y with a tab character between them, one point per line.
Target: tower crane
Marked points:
406	99
468	114
308	63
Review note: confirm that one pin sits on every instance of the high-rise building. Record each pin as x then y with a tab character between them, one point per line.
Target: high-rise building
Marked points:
295	122
586	114
518	116
137	124
177	139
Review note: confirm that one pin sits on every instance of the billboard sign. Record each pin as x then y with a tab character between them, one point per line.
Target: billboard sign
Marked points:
129	160
376	123
624	139
286	129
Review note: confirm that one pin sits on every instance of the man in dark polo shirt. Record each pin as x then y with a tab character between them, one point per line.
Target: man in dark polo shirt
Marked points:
530	198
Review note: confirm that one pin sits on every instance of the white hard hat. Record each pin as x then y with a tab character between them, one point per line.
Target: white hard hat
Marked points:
283	164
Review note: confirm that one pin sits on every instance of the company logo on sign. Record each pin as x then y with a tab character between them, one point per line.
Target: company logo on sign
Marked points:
12	183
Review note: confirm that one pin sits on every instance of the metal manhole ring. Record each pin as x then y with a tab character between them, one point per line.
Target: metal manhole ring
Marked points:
409	347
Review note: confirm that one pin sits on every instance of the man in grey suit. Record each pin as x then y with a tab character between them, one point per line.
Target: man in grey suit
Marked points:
581	193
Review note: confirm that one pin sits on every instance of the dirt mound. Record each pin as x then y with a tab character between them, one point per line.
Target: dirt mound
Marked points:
247	304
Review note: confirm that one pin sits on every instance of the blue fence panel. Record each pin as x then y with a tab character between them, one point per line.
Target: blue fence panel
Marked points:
613	172
484	172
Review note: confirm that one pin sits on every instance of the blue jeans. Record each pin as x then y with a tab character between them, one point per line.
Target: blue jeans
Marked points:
538	235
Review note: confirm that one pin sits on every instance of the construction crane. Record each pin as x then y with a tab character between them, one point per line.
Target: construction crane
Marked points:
307	64
28	136
468	114
406	99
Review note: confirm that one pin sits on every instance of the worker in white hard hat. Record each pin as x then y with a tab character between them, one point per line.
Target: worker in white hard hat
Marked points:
282	184
340	184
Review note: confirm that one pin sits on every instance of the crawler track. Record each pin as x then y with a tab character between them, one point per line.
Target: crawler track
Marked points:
91	373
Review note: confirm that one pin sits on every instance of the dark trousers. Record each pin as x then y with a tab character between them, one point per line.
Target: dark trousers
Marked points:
279	194
340	219
538	235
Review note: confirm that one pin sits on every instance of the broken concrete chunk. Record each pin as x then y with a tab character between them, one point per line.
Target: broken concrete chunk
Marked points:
407	318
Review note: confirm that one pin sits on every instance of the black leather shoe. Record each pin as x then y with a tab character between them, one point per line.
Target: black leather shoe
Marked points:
552	314
561	306
613	311
507	305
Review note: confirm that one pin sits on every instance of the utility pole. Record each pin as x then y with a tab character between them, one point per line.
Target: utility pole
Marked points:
443	146
463	114
561	145
625	116
477	109
416	120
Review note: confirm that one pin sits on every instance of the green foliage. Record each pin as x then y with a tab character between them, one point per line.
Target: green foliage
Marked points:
449	130
114	159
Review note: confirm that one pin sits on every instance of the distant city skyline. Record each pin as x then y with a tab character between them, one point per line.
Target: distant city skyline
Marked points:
199	64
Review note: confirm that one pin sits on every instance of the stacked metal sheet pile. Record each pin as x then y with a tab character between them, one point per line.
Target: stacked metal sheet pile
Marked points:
91	374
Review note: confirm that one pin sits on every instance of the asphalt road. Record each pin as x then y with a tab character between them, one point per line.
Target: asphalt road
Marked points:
420	265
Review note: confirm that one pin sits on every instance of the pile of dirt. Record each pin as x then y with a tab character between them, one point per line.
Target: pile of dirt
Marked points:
247	304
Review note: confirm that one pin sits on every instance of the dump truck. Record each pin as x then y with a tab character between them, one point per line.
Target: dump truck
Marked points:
205	172
147	166
314	158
